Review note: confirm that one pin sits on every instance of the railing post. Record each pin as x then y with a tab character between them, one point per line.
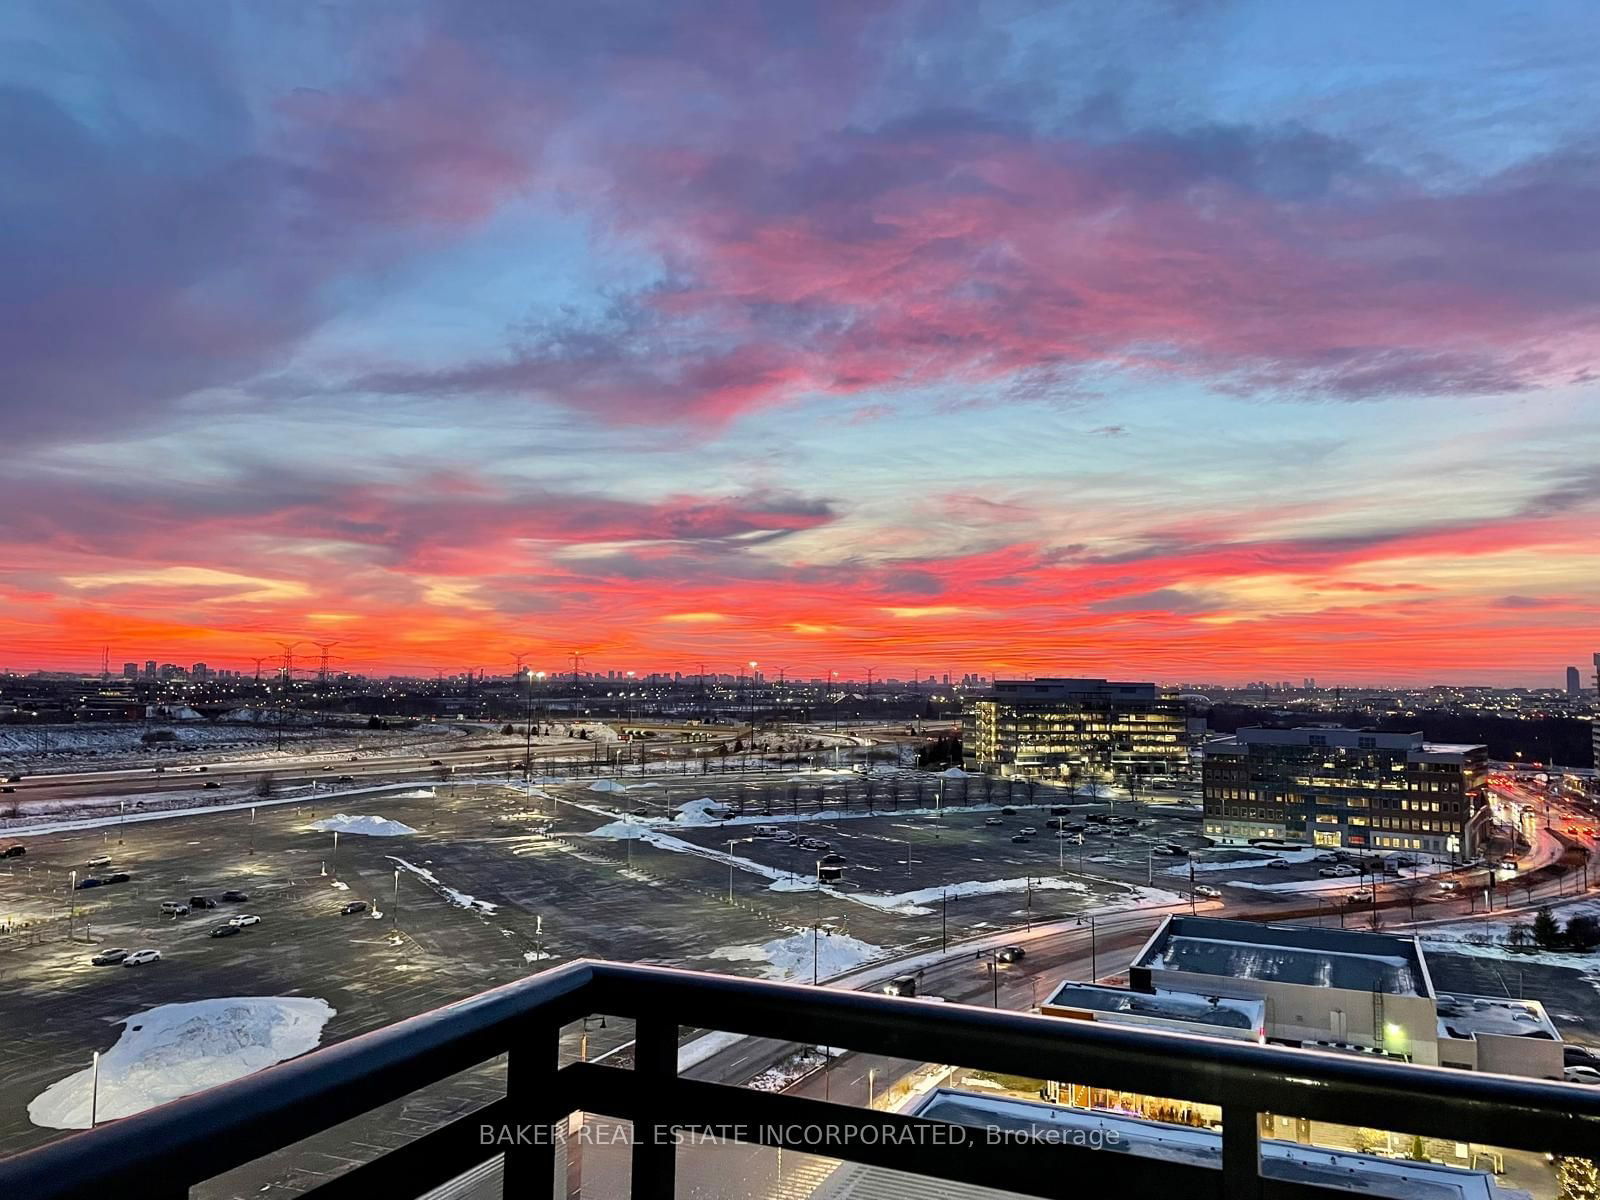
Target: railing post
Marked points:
530	1155
655	1062
1241	1153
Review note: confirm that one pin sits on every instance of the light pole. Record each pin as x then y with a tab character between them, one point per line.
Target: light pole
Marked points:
732	842
396	925
816	925
94	1090
72	896
252	829
122	813
336	854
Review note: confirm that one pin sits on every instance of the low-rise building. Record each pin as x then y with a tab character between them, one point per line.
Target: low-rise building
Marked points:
1356	788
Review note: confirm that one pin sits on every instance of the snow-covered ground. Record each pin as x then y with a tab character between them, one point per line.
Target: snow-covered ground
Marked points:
1492	938
177	1049
914	903
459	899
790	957
369	826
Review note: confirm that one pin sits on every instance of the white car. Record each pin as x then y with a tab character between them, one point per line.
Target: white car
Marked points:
1585	1075
993	821
1027	831
244	919
1205	889
1449	885
1344	871
139	957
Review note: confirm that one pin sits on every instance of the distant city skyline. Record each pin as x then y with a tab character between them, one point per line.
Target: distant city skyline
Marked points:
814	333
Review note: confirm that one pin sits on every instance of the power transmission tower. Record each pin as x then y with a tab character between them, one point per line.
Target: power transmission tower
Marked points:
258	662
105	664
322	661
576	660
288	657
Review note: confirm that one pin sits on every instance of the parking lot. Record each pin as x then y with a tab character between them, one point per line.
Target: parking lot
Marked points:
496	882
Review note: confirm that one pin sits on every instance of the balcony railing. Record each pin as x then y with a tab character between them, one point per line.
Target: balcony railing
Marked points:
163	1152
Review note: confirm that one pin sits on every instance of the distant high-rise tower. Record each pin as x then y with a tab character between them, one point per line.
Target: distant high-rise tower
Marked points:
1574	682
130	670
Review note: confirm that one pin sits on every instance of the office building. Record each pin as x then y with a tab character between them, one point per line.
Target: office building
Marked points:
1080	729
1574	682
1353	788
130	670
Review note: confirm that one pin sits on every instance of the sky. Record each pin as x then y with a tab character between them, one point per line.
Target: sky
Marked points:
1175	339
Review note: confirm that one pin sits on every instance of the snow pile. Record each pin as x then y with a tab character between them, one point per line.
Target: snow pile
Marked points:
606	785
419	794
178	1049
370	826
459	899
790	957
704	811
953	773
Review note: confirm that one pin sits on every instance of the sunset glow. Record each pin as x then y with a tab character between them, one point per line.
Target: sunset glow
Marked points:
828	335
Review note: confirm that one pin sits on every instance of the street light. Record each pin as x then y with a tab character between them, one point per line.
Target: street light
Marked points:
396	925
732	842
72	896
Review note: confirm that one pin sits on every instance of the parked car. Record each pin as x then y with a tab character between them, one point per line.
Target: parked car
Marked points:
13	852
102	860
1579	1056
88	881
172	908
1120	831
244	919
1325	858
1280	864
1205	889
355	906
993	821
1449	885
118	877
814	844
1008	811
109	958
346	779
1010	954
1584	1075
901	985
1361	896
1018	837
1329	872
1345	871
211	783
228	930
199	902
1163	851
1028	830
1097	818
1177	850
435	762
139	957
235	897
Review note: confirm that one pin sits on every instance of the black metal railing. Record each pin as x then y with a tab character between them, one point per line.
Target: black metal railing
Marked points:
161	1153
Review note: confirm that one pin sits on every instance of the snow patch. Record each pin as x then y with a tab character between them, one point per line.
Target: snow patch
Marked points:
459	899
790	957
370	826
607	785
175	1050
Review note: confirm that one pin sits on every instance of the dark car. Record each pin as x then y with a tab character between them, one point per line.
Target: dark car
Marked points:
235	897
119	877
1059	810
833	860
434	762
224	931
901	985
7	789
1008	811
89	882
109	958
211	783
1098	818
202	768
1010	954
16	777
345	779
1579	1056
199	902
1019	837
355	906
13	852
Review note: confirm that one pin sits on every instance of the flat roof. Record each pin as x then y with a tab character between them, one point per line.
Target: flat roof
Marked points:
1190	1007
1467	1016
1295	954
1365	1174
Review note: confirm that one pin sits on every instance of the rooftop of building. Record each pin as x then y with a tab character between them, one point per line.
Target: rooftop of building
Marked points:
1468	1016
1061	686
1369	1175
1189	1007
1324	737
1295	954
